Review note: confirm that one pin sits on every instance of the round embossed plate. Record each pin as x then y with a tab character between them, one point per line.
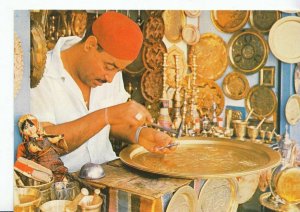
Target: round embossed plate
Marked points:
170	71
217	195
211	56
284	39
262	100
174	21
154	29
247	186
207	157
229	20
235	86
153	55
248	51
152	85
292	109
262	20
184	199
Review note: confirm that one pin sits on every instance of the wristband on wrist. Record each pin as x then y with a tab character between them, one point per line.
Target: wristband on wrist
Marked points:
137	134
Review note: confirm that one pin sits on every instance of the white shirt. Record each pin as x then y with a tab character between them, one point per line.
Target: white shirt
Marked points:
58	99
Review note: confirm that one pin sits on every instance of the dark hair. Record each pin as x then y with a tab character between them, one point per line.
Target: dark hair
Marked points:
23	124
88	33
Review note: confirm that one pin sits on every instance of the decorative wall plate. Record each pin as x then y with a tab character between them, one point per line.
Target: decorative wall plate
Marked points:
297	79
229	20
211	56
248	51
190	34
18	64
192	13
247	186
152	85
235	85
38	55
263	20
209	92
207	158
153	55
170	71
262	100
184	199
284	39
174	21
154	29
218	195
292	109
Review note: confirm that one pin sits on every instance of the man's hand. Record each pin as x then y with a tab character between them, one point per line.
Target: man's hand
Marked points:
153	140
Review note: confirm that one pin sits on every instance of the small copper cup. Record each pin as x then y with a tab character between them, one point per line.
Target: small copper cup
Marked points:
240	129
252	132
269	136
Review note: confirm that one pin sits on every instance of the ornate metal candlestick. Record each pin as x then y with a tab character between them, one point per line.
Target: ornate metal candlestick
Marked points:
194	111
177	105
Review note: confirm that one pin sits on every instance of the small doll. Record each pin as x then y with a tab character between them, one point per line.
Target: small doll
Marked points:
40	147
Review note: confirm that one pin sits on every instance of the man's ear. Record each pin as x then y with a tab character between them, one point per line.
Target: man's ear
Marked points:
91	42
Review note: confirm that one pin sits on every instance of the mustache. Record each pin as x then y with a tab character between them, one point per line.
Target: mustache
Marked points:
102	81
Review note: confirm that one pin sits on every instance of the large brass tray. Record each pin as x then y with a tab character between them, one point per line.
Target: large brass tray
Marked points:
205	158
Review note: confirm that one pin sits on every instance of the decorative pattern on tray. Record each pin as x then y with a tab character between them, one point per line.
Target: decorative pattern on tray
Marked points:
248	51
211	56
152	85
154	29
153	55
235	85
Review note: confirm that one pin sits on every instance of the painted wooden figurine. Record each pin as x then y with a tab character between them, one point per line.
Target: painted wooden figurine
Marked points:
40	147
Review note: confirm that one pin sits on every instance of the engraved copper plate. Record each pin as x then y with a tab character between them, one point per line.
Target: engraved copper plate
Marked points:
217	195
174	21
229	20
154	29
292	109
184	199
153	55
248	51
235	86
205	158
284	39
209	92
211	56
263	20
152	85
247	186
170	71
262	100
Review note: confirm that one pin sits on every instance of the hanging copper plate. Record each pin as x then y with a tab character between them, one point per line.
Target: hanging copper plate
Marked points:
153	55
229	20
262	20
152	85
184	199
38	55
174	21
248	51
170	71
137	66
235	85
211	56
218	195
197	157
154	29
292	109
208	92
262	100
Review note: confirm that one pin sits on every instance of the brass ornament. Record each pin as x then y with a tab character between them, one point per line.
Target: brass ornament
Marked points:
235	86
154	30
152	85
207	157
171	71
229	21
248	51
18	64
211	56
218	195
262	20
38	55
262	100
79	23
174	21
153	55
184	199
